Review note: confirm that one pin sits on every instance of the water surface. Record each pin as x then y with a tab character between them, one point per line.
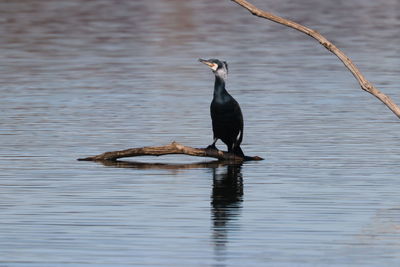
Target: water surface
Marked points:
84	77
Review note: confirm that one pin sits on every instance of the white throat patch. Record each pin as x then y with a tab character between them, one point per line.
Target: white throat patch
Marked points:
223	73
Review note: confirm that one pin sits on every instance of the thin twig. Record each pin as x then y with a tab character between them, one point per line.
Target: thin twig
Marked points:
364	83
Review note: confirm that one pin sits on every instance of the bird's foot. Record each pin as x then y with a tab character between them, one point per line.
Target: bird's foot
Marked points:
212	147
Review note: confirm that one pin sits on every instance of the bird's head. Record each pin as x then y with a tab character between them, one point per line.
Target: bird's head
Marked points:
220	68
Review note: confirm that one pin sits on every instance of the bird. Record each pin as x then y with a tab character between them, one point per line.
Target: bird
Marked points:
226	115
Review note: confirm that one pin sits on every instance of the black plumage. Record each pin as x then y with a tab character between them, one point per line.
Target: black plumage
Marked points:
226	115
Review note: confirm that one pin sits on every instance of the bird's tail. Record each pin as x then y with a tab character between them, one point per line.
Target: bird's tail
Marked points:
238	151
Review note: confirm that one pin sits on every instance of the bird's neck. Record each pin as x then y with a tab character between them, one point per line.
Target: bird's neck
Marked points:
219	87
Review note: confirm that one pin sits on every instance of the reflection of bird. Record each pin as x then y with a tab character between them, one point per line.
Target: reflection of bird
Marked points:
227	196
227	118
227	188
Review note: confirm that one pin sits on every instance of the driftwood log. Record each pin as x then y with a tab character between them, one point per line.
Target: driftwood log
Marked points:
364	83
173	148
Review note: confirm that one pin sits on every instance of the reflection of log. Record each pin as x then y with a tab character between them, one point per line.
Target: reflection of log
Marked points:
163	166
364	83
173	148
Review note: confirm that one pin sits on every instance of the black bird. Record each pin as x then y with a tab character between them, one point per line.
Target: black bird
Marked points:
227	118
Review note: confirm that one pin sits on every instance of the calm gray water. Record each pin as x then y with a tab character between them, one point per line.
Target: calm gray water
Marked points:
80	78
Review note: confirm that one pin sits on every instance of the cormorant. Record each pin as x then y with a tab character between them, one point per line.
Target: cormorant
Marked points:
226	116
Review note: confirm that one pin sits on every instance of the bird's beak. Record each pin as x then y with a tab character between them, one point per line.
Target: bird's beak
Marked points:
208	63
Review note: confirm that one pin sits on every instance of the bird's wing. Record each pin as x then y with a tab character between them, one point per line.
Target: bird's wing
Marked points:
239	121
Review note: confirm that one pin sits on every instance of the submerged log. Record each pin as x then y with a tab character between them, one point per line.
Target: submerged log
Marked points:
173	148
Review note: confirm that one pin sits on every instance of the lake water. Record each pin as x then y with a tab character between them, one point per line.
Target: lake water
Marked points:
83	77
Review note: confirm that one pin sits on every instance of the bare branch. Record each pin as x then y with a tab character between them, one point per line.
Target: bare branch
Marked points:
173	148
364	83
